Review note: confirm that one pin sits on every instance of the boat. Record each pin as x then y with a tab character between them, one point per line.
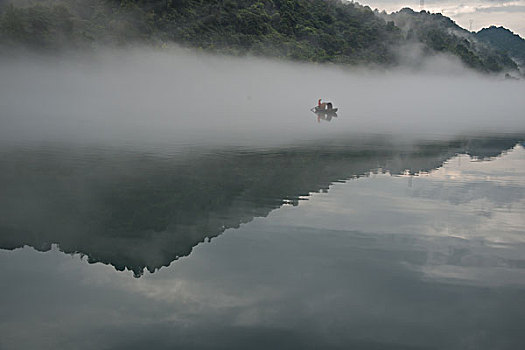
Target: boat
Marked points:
320	110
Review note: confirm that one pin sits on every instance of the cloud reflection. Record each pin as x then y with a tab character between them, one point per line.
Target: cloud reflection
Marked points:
141	211
370	264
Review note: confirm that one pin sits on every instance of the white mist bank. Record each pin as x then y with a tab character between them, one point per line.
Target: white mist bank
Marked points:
177	96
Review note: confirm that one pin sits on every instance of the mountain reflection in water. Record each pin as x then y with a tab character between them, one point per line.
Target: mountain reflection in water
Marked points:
138	210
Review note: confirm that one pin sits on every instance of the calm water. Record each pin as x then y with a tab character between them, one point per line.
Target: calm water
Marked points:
362	242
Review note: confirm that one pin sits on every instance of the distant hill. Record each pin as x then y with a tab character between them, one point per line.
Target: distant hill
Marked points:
439	33
306	30
504	40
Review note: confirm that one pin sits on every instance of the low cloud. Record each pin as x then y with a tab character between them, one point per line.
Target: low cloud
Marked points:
144	96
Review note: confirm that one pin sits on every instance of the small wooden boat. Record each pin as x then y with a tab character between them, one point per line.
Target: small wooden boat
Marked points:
320	110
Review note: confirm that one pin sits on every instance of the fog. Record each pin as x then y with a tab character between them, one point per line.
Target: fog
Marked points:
179	96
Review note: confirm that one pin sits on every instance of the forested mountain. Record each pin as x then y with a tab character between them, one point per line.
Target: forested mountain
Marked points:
308	30
505	41
312	30
439	33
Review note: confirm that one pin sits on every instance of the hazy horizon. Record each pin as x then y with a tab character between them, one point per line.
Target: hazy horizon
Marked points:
176	95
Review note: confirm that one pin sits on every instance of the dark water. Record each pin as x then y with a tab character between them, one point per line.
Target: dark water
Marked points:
350	243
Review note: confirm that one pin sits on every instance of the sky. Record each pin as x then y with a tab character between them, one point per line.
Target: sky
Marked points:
483	13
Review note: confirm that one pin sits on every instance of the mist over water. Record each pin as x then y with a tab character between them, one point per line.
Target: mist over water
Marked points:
180	97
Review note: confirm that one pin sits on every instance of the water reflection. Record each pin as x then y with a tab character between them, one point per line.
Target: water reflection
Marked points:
431	258
326	116
143	210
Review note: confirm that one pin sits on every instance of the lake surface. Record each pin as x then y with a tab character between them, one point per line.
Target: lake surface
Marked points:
164	199
362	242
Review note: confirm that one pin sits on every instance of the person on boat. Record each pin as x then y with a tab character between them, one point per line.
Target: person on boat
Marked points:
324	105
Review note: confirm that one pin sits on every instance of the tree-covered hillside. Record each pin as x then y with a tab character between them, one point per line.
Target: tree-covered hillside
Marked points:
504	40
312	30
59	24
307	30
440	34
